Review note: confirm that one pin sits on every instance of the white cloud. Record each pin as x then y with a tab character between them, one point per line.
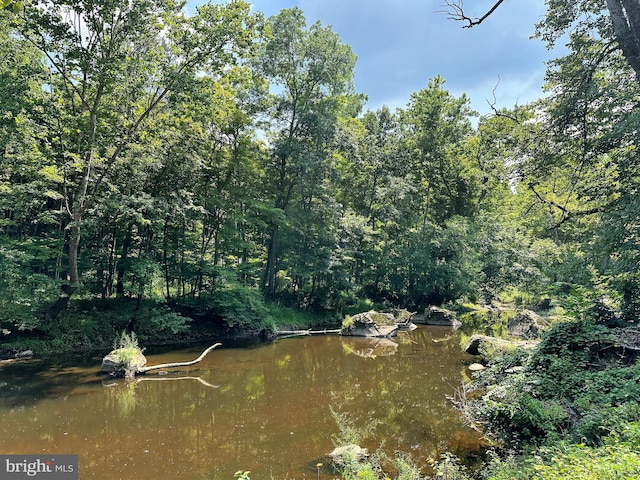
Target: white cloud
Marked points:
401	44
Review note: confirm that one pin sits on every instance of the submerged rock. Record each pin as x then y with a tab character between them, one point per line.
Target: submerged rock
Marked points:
352	450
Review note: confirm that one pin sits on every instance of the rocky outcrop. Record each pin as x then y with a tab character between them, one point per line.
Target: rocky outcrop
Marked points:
441	317
526	324
370	324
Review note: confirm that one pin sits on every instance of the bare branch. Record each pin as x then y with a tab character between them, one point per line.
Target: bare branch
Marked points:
497	113
455	11
178	364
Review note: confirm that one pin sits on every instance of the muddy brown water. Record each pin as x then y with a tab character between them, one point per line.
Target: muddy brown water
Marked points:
264	408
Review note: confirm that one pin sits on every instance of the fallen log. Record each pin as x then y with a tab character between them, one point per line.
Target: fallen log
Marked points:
178	364
293	333
130	361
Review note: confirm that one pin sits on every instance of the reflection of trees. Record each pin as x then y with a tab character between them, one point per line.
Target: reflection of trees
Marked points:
270	413
407	393
122	395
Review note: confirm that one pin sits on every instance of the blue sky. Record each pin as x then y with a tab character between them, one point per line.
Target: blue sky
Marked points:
401	44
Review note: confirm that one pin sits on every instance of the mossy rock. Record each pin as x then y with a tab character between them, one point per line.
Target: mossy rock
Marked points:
123	361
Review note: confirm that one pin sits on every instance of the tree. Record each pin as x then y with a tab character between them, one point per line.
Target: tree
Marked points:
111	66
12	6
313	70
437	127
575	168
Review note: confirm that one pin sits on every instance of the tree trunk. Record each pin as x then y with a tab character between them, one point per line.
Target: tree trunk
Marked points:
68	289
269	277
123	258
178	364
625	18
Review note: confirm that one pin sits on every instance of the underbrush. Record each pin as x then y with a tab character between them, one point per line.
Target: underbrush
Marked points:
90	323
571	412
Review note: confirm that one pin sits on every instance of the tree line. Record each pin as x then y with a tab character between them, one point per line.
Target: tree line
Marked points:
149	154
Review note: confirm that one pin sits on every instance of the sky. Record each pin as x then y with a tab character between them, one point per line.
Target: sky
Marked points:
402	44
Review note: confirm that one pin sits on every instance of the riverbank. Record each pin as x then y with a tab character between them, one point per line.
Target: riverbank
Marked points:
565	409
93	324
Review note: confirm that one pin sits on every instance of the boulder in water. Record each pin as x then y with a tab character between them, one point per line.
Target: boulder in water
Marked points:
123	361
351	450
441	317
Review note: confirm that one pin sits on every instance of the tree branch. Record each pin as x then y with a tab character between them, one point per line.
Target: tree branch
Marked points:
178	364
496	112
566	213
456	11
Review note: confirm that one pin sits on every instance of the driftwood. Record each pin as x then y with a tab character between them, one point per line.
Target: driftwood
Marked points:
178	364
294	333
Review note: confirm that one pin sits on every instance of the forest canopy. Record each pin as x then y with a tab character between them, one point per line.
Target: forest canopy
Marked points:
223	159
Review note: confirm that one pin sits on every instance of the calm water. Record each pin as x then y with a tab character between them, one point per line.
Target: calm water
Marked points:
264	408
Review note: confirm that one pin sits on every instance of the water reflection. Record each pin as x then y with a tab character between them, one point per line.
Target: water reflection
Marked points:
369	347
268	413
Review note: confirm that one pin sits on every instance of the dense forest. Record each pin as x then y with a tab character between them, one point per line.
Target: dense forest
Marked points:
160	171
223	160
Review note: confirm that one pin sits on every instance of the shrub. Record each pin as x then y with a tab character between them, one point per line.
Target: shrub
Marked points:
239	306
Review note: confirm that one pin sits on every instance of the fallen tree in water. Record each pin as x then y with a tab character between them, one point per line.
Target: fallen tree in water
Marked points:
179	364
295	333
128	360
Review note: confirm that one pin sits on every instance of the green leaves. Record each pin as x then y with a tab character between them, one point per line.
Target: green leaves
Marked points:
13	6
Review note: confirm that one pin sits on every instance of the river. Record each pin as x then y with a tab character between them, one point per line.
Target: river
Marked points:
263	407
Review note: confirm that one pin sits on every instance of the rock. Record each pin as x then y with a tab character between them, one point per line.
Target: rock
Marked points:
370	324
476	367
373	317
407	327
481	344
370	331
352	450
512	370
123	361
526	324
477	343
402	316
441	317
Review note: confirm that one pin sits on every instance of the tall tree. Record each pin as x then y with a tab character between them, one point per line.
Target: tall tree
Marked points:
313	70
437	127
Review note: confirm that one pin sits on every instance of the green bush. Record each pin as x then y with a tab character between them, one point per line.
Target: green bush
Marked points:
572	386
575	461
